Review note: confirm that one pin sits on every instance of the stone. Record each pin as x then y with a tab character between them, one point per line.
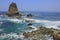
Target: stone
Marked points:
13	10
25	35
56	36
30	24
30	15
42	31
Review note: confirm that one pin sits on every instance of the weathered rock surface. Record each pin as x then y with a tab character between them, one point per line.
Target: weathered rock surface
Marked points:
30	24
13	10
43	31
56	35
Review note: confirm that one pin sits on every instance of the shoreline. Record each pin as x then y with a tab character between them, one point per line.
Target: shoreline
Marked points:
36	33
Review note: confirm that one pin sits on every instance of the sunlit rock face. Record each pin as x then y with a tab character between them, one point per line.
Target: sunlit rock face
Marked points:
13	10
56	36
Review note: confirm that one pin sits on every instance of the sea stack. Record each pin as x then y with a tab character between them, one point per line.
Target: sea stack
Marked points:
13	10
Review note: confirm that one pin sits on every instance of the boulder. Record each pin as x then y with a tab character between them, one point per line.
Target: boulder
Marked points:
56	36
30	15
30	24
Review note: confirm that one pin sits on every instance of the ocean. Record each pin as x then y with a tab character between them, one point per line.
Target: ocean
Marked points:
11	28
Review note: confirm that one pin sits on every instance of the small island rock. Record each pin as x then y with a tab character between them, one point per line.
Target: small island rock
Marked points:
13	10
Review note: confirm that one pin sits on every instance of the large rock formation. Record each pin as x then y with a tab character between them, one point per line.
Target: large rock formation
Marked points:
13	10
41	32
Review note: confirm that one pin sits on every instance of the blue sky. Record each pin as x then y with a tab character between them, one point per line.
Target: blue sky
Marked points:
32	5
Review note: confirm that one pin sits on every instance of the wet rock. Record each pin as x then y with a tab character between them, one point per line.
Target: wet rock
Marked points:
25	35
29	15
37	34
30	24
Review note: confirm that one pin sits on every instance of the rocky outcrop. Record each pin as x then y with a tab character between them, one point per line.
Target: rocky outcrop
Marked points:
25	35
41	32
30	24
30	15
56	36
13	10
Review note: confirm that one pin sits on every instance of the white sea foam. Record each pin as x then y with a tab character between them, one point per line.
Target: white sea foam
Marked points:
34	28
16	20
35	20
16	37
46	23
11	36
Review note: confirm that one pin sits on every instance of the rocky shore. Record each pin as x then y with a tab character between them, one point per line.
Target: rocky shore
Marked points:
42	32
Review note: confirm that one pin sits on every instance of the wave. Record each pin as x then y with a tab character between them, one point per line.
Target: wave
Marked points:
46	23
11	36
33	28
16	20
14	36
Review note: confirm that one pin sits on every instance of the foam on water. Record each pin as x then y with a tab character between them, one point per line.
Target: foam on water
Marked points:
14	36
16	20
46	23
11	36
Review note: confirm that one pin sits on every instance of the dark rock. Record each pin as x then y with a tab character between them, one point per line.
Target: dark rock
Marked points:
29	24
29	15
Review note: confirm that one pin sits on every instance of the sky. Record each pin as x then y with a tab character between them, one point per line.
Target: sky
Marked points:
32	5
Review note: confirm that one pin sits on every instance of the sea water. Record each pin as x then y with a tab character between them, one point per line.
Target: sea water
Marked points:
13	28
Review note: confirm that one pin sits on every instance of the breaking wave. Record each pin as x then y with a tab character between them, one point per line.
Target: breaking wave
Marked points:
45	23
14	36
20	25
11	36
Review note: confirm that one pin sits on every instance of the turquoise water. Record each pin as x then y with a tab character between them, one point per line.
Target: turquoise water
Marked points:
9	27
